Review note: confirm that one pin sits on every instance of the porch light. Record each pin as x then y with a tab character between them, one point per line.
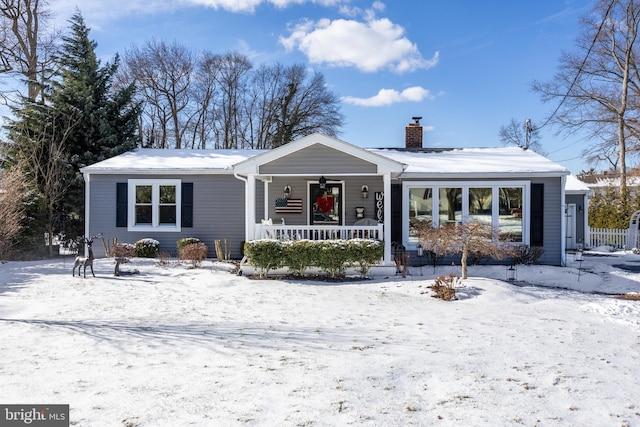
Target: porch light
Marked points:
365	191
512	273
287	191
323	182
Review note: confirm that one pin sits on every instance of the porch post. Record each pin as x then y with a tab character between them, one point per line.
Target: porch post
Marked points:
250	208
387	218
265	202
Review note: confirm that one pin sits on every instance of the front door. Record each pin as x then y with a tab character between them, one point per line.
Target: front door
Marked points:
571	226
326	204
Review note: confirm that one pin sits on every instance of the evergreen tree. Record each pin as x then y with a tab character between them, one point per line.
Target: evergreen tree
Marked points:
102	121
80	120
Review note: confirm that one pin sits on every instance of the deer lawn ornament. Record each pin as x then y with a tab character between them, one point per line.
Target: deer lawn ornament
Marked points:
85	262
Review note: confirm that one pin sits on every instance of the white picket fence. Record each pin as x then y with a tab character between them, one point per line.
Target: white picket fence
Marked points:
615	237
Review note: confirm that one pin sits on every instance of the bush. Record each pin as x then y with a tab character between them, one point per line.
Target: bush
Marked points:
332	257
194	252
365	253
526	255
444	287
146	248
265	254
181	243
299	255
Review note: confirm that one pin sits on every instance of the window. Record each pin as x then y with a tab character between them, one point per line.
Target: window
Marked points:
154	205
499	204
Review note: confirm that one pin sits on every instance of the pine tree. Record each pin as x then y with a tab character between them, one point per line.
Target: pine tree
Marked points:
81	119
101	119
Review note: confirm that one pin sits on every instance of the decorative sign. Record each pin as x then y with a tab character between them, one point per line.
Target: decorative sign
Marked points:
291	206
380	206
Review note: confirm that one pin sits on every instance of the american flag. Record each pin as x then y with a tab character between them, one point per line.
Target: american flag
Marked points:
288	205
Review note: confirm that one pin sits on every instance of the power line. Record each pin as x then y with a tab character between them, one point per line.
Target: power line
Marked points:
584	61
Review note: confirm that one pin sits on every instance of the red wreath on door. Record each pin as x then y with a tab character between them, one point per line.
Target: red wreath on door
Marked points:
325	203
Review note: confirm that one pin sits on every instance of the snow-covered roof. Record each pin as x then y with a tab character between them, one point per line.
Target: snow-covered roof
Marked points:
474	162
460	162
574	185
150	160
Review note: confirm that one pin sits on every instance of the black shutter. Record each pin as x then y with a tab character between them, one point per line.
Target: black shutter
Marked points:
121	204
396	213
537	215
187	204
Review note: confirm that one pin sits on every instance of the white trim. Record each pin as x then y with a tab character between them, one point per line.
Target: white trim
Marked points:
384	164
87	210
465	185
342	201
155	191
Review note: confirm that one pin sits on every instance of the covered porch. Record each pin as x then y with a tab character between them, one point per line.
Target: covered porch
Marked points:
319	232
319	188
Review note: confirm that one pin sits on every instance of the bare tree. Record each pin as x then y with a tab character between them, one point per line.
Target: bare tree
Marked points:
232	79
204	97
13	194
164	72
25	47
43	161
467	238
222	98
522	134
597	86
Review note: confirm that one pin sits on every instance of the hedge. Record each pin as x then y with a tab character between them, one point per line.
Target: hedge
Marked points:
332	257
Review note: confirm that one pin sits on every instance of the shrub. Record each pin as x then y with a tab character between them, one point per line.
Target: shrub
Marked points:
264	254
181	243
524	254
146	248
194	252
444	287
365	253
332	257
299	255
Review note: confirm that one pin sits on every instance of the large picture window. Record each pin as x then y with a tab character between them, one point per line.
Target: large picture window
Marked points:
154	205
499	204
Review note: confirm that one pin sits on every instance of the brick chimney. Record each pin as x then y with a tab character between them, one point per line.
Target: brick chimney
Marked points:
413	134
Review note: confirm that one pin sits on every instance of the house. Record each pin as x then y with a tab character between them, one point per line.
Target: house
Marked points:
577	195
321	187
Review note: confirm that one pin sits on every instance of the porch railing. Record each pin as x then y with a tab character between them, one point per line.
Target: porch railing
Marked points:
318	232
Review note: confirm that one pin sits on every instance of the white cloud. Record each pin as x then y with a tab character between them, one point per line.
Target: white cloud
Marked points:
369	46
391	96
101	12
250	5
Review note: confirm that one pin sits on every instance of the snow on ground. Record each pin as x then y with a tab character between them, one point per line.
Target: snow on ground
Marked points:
174	346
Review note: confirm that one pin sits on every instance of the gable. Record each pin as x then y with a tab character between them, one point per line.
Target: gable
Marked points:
285	158
318	159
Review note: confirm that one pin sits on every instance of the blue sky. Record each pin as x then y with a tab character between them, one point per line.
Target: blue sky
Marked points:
465	66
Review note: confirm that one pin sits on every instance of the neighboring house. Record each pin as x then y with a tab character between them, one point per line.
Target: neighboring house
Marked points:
577	195
322	187
600	182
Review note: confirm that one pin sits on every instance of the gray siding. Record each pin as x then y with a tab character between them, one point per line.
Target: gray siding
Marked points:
318	160
578	200
553	218
352	190
218	212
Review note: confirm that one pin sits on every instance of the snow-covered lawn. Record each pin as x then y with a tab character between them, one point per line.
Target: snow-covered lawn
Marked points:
175	346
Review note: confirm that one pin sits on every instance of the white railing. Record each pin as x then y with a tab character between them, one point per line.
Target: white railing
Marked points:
318	232
616	237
